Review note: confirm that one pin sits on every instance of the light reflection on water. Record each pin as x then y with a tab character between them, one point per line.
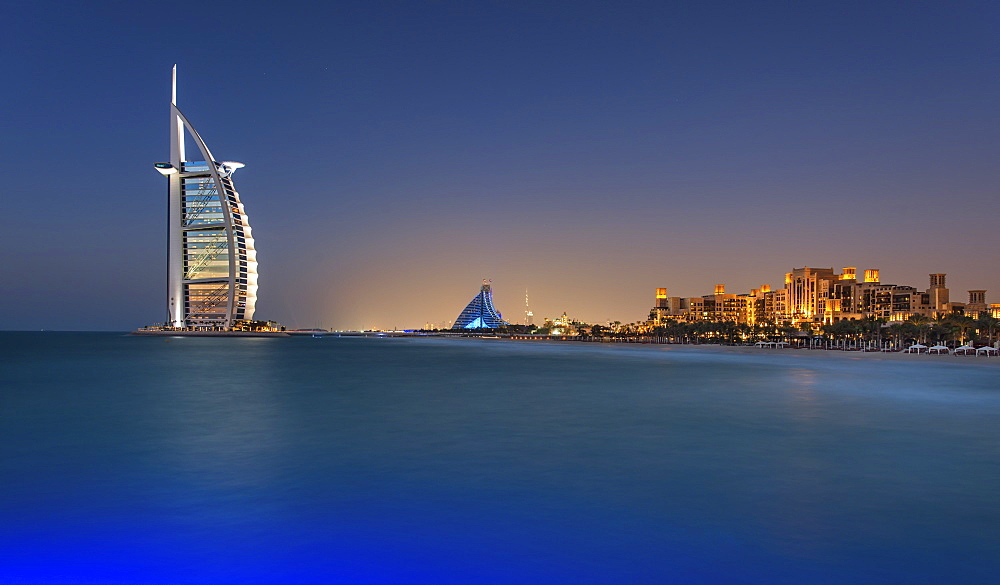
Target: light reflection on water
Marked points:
394	460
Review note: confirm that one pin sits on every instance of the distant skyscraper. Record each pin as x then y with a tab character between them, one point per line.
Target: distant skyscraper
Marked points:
529	317
480	313
211	261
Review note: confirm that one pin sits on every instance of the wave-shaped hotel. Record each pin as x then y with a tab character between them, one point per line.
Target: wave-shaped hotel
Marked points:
211	260
480	312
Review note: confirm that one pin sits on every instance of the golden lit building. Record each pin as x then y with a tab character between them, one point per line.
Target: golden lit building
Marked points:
820	295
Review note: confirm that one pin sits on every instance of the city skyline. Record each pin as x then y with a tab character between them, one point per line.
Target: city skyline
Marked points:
588	154
822	296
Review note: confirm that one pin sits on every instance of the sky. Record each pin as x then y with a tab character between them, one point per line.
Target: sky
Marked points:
398	153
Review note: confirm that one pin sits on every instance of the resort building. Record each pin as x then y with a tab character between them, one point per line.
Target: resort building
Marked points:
480	312
564	325
821	296
211	261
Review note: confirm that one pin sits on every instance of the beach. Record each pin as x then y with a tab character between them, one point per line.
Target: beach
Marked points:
788	352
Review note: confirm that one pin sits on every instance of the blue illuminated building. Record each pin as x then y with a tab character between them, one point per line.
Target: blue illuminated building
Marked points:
480	312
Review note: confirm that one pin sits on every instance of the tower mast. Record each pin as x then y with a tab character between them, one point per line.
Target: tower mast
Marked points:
175	242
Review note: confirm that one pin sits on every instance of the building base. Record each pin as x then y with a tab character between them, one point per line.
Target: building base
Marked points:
206	333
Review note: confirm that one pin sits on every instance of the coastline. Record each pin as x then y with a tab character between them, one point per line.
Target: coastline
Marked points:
189	333
636	348
894	356
795	354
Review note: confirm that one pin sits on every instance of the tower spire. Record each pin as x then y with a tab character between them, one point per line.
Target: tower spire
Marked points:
173	86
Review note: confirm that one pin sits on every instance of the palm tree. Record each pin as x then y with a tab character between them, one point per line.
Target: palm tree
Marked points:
922	325
787	330
905	332
964	325
871	329
745	332
989	324
946	327
679	330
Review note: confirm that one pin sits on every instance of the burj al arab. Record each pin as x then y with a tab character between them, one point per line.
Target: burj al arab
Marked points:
211	260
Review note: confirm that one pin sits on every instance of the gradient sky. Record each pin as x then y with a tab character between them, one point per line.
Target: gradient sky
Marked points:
399	152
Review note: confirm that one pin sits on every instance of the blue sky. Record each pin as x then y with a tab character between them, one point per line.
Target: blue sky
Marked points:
399	152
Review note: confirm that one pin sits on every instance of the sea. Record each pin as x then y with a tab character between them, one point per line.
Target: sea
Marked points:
151	460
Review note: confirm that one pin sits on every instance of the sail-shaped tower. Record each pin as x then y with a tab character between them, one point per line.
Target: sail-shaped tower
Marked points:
211	261
480	312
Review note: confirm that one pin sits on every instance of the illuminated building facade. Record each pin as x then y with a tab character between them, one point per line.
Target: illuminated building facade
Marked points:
563	325
480	312
808	292
211	261
668	307
820	295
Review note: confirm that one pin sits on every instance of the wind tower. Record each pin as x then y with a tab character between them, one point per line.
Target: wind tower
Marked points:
940	295
211	260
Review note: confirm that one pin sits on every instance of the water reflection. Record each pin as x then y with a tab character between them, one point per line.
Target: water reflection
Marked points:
802	386
221	431
356	460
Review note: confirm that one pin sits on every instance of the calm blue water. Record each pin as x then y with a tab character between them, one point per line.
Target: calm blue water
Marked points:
147	460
